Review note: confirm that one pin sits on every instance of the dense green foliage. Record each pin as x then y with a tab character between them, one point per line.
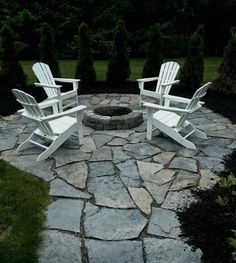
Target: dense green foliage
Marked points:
47	48
191	74
226	81
178	20
11	74
118	66
23	199
154	53
85	69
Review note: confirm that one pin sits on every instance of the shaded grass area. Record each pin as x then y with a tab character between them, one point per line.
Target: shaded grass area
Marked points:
207	225
23	199
67	68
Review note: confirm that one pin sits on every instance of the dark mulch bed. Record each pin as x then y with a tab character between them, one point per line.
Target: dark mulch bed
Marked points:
207	225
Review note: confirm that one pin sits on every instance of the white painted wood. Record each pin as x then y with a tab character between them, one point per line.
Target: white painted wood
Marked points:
173	121
53	91
56	128
165	80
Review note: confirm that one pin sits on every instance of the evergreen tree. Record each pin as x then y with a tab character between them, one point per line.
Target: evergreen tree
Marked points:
191	75
118	66
12	74
154	53
226	80
47	48
85	69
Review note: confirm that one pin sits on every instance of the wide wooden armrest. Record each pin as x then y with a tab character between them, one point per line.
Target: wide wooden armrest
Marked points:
180	99
170	83
43	85
64	113
165	108
147	79
66	80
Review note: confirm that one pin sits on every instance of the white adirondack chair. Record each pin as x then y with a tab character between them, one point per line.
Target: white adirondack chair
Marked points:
55	128
53	91
165	80
173	121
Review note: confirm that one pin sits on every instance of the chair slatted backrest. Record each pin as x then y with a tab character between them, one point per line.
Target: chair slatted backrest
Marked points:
44	75
168	73
32	110
193	104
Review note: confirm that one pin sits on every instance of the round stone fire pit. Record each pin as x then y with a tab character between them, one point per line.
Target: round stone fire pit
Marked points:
112	118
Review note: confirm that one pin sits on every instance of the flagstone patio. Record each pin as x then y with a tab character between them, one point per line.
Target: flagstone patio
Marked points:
116	196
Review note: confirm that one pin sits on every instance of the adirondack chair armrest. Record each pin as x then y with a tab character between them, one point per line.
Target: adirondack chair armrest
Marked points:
170	83
47	85
147	79
75	82
165	108
64	113
180	99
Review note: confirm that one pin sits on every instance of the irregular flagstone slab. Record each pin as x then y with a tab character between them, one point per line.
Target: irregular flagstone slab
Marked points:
220	142
114	251
178	200
227	133
59	247
215	151
187	152
61	188
164	223
87	130
211	127
158	192
129	173
109	191
102	154
75	174
118	142
166	143
94	100
149	167
64	156
210	163
164	157
142	199
207	179
101	169
119	155
113	224
101	139
168	250
118	133
88	144
184	164
65	214
185	179
199	121
29	163
142	127
162	177
137	137
141	150
8	155
8	138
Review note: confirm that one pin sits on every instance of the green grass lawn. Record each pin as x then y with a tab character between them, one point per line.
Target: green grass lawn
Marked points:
68	68
23	198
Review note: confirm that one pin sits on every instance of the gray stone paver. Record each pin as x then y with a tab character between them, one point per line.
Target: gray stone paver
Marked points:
130	187
114	251
59	247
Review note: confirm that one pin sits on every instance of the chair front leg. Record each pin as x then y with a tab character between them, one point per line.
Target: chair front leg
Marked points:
149	123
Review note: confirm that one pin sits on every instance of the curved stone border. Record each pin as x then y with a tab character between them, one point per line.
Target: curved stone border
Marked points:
126	121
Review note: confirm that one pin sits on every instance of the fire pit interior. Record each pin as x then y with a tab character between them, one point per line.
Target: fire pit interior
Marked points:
112	118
